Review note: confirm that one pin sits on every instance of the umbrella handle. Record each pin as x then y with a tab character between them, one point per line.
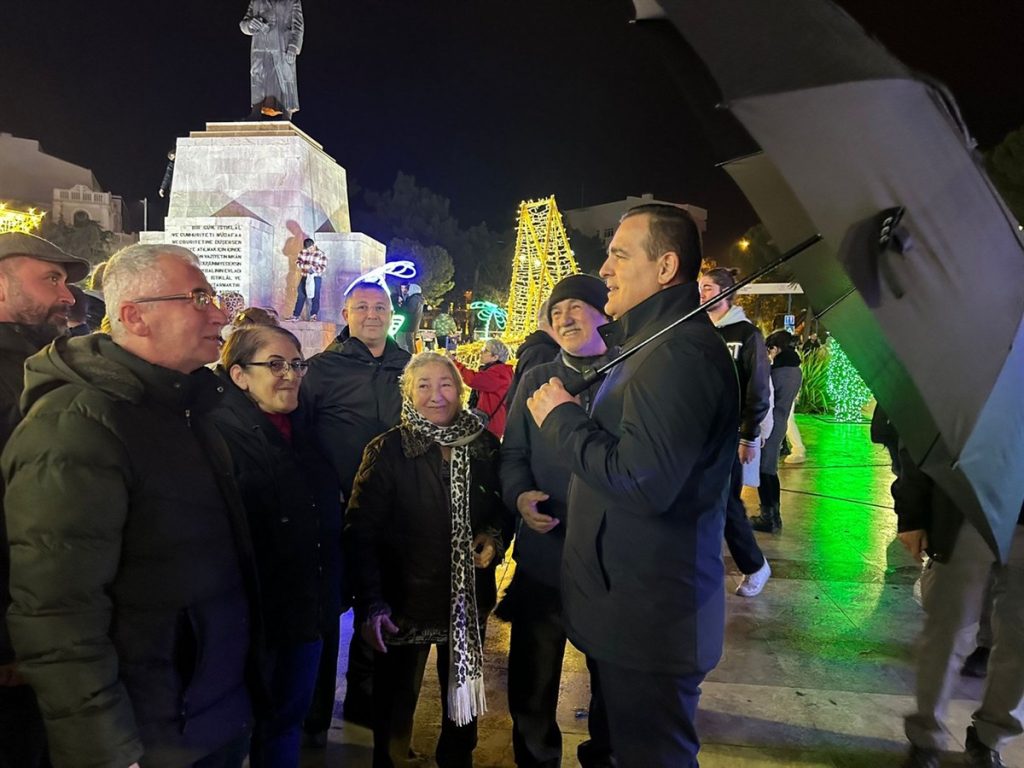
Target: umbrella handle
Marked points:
592	377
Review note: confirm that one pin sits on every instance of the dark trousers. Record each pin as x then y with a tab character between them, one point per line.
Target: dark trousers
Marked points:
231	755
769	492
739	536
397	677
291	671
536	650
22	734
651	717
321	710
359	679
300	301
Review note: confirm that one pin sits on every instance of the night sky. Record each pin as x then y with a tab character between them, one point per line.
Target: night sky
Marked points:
483	101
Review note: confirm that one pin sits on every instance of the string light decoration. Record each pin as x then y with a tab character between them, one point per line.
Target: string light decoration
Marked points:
844	387
397	321
403	270
488	312
542	258
19	221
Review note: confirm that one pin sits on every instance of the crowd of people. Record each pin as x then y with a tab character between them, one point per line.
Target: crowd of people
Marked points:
188	517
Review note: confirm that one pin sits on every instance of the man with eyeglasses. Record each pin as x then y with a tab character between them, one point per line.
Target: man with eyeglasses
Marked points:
350	396
131	569
34	305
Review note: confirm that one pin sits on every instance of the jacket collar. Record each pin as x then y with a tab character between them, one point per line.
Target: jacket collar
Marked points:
355	349
653	314
18	337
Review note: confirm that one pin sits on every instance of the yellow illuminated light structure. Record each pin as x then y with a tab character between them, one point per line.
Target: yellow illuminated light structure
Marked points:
19	221
542	258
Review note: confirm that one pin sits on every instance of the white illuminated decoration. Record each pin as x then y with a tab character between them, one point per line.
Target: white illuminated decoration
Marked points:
402	270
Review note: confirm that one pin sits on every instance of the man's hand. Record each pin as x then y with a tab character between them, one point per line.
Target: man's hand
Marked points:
484	550
527	503
747	453
289	58
548	397
257	25
915	542
373	630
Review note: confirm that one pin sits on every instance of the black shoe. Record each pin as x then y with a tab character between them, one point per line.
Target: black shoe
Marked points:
979	755
919	757
976	665
357	715
769	521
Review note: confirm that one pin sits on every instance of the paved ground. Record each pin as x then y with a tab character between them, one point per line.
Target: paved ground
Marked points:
816	670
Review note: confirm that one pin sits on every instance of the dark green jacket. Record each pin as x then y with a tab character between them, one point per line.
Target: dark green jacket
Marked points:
17	342
131	576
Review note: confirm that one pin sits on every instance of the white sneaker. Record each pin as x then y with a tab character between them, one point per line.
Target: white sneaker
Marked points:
753	583
795	458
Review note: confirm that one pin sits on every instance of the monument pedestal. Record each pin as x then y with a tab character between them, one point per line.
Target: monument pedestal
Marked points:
246	195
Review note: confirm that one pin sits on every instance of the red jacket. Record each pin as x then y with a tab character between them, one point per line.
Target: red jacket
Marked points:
492	384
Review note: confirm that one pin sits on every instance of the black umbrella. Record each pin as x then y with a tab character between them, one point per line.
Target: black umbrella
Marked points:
921	264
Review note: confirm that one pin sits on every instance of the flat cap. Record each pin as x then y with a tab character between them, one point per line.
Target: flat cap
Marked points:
22	244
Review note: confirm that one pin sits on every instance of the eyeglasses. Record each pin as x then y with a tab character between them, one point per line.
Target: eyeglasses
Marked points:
278	367
200	298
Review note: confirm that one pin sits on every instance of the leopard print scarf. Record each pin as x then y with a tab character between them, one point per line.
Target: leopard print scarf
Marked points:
465	693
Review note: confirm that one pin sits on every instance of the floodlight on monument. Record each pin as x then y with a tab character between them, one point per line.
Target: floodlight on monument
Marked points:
488	312
19	221
403	270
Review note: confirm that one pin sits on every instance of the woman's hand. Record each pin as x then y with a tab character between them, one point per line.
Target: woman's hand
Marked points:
373	630
484	550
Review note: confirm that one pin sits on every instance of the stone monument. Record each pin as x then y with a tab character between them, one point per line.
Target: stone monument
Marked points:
245	196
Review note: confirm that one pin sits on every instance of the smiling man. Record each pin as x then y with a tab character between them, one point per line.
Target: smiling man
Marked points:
350	396
34	302
131	575
643	578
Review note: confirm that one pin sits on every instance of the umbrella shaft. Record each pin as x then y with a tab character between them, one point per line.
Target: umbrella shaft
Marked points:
599	373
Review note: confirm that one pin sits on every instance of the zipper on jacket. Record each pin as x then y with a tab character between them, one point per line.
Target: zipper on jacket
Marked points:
188	418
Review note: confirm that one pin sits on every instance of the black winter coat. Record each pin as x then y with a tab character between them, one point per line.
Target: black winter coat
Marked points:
398	529
17	342
536	349
529	463
643	578
290	498
348	398
132	582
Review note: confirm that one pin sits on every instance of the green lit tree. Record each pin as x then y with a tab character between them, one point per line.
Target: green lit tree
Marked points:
845	388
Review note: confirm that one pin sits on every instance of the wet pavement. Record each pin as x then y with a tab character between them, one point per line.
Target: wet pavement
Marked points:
817	669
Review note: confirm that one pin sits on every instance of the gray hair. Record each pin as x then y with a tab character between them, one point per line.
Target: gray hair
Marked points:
542	316
421	359
497	348
133	272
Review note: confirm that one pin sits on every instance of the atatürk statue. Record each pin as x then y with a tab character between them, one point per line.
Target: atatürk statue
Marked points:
276	30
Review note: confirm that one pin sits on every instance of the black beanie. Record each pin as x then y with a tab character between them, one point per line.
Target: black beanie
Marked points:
586	288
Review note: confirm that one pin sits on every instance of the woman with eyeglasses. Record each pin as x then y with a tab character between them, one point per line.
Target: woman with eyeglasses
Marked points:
288	493
425	531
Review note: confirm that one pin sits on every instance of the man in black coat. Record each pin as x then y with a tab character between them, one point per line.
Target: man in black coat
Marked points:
34	304
535	482
351	395
643	577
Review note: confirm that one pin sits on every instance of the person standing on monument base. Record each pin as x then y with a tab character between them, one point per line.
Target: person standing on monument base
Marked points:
276	29
312	264
350	395
34	305
643	584
134	598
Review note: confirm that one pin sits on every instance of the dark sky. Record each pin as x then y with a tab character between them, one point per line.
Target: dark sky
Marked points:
486	102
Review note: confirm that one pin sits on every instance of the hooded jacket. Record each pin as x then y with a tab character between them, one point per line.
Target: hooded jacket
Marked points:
131	571
746	344
17	342
490	384
643	577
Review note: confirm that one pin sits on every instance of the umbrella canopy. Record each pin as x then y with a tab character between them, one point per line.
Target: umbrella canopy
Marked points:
921	264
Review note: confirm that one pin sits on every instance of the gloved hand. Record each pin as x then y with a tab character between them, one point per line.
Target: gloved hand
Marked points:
289	58
257	25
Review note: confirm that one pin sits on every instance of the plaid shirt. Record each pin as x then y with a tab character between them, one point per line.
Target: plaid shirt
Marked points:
312	261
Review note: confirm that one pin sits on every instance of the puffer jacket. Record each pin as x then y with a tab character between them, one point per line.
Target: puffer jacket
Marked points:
398	529
132	582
